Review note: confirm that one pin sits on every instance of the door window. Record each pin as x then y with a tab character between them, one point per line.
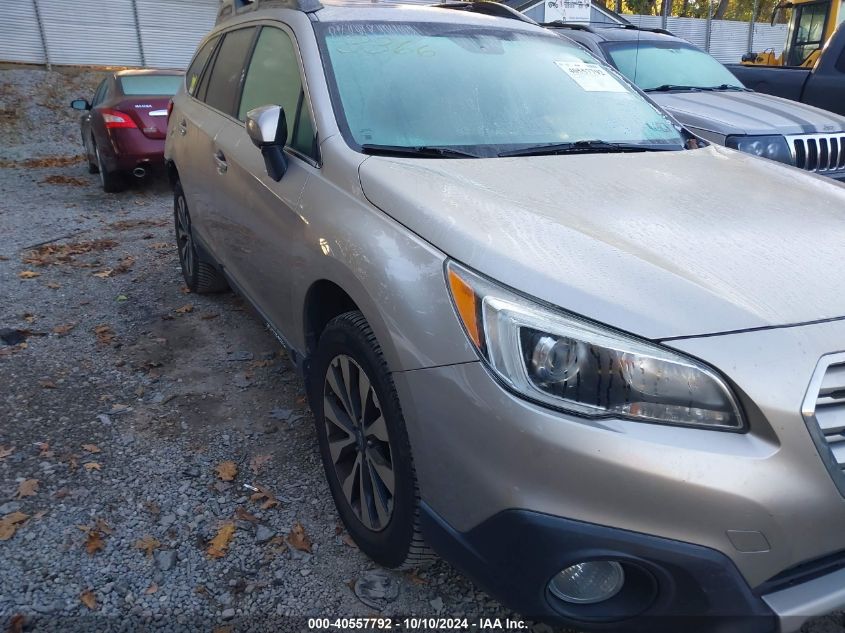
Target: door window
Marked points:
225	79
192	78
101	93
273	78
809	31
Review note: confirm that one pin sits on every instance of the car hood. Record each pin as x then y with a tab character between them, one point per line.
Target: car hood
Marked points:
731	112
660	244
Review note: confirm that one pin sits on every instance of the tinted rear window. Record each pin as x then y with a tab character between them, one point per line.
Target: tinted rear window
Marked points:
225	79
164	85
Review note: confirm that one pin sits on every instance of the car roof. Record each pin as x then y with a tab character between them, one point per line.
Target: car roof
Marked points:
621	33
460	12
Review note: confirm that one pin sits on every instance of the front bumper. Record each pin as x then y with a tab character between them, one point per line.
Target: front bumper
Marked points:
762	502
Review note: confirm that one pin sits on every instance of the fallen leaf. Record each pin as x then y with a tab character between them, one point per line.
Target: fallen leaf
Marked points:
61	330
277	544
88	598
124	265
28	317
347	540
5	452
53	285
92	466
47	384
243	515
263	493
151	589
414	578
91	448
159	245
185	290
208	317
94	542
27	488
16	624
28	274
298	539
185	309
103	526
39	515
55	254
104	333
220	543
257	462
103	274
10	523
226	470
148	544
44	448
152	507
60	179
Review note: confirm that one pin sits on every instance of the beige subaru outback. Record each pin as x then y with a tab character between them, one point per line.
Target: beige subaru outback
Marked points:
591	360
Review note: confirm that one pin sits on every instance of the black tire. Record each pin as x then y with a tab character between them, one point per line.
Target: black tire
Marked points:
200	275
395	541
111	181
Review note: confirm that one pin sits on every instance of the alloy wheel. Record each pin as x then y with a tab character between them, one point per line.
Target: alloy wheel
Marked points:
184	240
358	442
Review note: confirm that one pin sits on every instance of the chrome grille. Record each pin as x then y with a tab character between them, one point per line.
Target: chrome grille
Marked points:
824	413
820	153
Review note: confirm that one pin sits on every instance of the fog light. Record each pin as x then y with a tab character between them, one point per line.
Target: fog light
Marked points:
588	583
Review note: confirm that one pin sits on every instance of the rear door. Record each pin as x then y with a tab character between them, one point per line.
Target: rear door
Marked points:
262	220
211	109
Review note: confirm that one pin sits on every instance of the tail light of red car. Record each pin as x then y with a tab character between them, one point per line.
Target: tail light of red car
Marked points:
114	119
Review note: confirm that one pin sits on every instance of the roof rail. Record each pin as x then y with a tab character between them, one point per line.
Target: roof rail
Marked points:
231	8
575	26
487	8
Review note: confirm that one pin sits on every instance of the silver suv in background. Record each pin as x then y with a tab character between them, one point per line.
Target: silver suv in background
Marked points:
530	340
709	100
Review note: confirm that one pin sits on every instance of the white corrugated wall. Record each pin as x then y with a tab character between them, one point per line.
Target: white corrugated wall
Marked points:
105	33
20	38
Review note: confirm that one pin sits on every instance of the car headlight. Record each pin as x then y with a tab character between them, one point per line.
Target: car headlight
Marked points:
773	147
572	364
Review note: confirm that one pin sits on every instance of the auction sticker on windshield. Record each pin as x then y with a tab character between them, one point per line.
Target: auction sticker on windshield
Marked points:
591	77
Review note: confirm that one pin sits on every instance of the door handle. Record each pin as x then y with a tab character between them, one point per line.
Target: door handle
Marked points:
220	159
183	127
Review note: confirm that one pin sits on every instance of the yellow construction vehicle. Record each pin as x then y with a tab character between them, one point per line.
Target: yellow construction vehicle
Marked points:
811	23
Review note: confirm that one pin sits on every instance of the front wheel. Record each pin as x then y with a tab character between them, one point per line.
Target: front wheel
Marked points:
364	445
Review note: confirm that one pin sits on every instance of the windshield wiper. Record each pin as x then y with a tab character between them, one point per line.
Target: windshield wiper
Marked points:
422	151
582	147
673	87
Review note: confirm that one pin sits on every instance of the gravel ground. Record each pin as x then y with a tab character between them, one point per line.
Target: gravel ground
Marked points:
134	417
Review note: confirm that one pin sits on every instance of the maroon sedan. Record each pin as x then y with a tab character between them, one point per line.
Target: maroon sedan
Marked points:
124	127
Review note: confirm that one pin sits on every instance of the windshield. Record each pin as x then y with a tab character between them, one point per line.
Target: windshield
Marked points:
651	64
150	85
481	90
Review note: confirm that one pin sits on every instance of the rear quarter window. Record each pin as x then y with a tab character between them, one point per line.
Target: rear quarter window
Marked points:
192	78
225	78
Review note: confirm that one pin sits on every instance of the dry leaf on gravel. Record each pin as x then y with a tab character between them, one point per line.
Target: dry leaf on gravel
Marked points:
28	317
27	488
92	466
44	449
243	515
184	309
91	448
148	544
54	254
53	285
269	498
415	579
347	540
5	452
122	225
93	540
47	161
151	589
61	330
298	539
58	179
47	384
88	598
105	335
103	526
208	317
10	523
226	470
28	274
103	274
257	462
16	624
159	245
220	543
124	265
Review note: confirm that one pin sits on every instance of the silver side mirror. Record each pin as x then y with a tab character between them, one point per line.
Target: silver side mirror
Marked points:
267	125
268	129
